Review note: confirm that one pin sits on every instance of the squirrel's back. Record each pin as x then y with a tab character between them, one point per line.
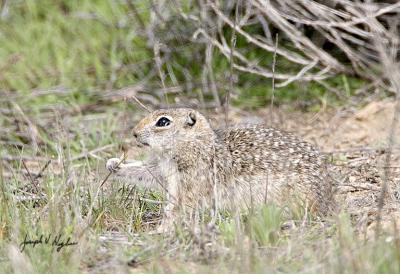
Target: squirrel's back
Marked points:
293	167
257	147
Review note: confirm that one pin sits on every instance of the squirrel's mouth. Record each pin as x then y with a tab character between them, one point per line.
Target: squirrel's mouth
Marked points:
142	144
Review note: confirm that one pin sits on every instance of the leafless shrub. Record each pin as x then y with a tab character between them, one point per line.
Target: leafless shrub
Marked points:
319	38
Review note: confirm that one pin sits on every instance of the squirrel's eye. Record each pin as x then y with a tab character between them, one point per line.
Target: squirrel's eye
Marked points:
163	122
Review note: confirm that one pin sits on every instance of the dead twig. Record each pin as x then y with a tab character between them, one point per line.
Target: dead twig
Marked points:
273	78
39	175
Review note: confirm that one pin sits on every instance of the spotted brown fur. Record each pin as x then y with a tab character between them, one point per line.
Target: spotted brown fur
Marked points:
236	164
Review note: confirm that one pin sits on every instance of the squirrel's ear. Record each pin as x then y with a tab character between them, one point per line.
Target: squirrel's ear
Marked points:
191	119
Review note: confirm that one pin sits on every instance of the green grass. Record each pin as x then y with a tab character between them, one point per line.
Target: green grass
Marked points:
81	49
76	44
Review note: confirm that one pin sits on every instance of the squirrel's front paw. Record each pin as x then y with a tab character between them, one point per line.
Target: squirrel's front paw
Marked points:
113	164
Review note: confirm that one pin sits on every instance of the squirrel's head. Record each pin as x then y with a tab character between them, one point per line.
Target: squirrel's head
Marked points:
163	129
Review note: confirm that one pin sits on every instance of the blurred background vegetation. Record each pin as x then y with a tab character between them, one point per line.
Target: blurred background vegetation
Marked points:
83	51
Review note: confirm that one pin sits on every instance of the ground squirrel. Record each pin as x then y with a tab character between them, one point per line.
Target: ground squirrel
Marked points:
198	165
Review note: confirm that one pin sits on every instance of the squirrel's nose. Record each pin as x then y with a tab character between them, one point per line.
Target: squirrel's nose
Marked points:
135	134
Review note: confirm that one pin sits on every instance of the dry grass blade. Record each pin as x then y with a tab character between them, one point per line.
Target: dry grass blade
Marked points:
388	53
39	175
273	78
93	152
231	62
140	103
